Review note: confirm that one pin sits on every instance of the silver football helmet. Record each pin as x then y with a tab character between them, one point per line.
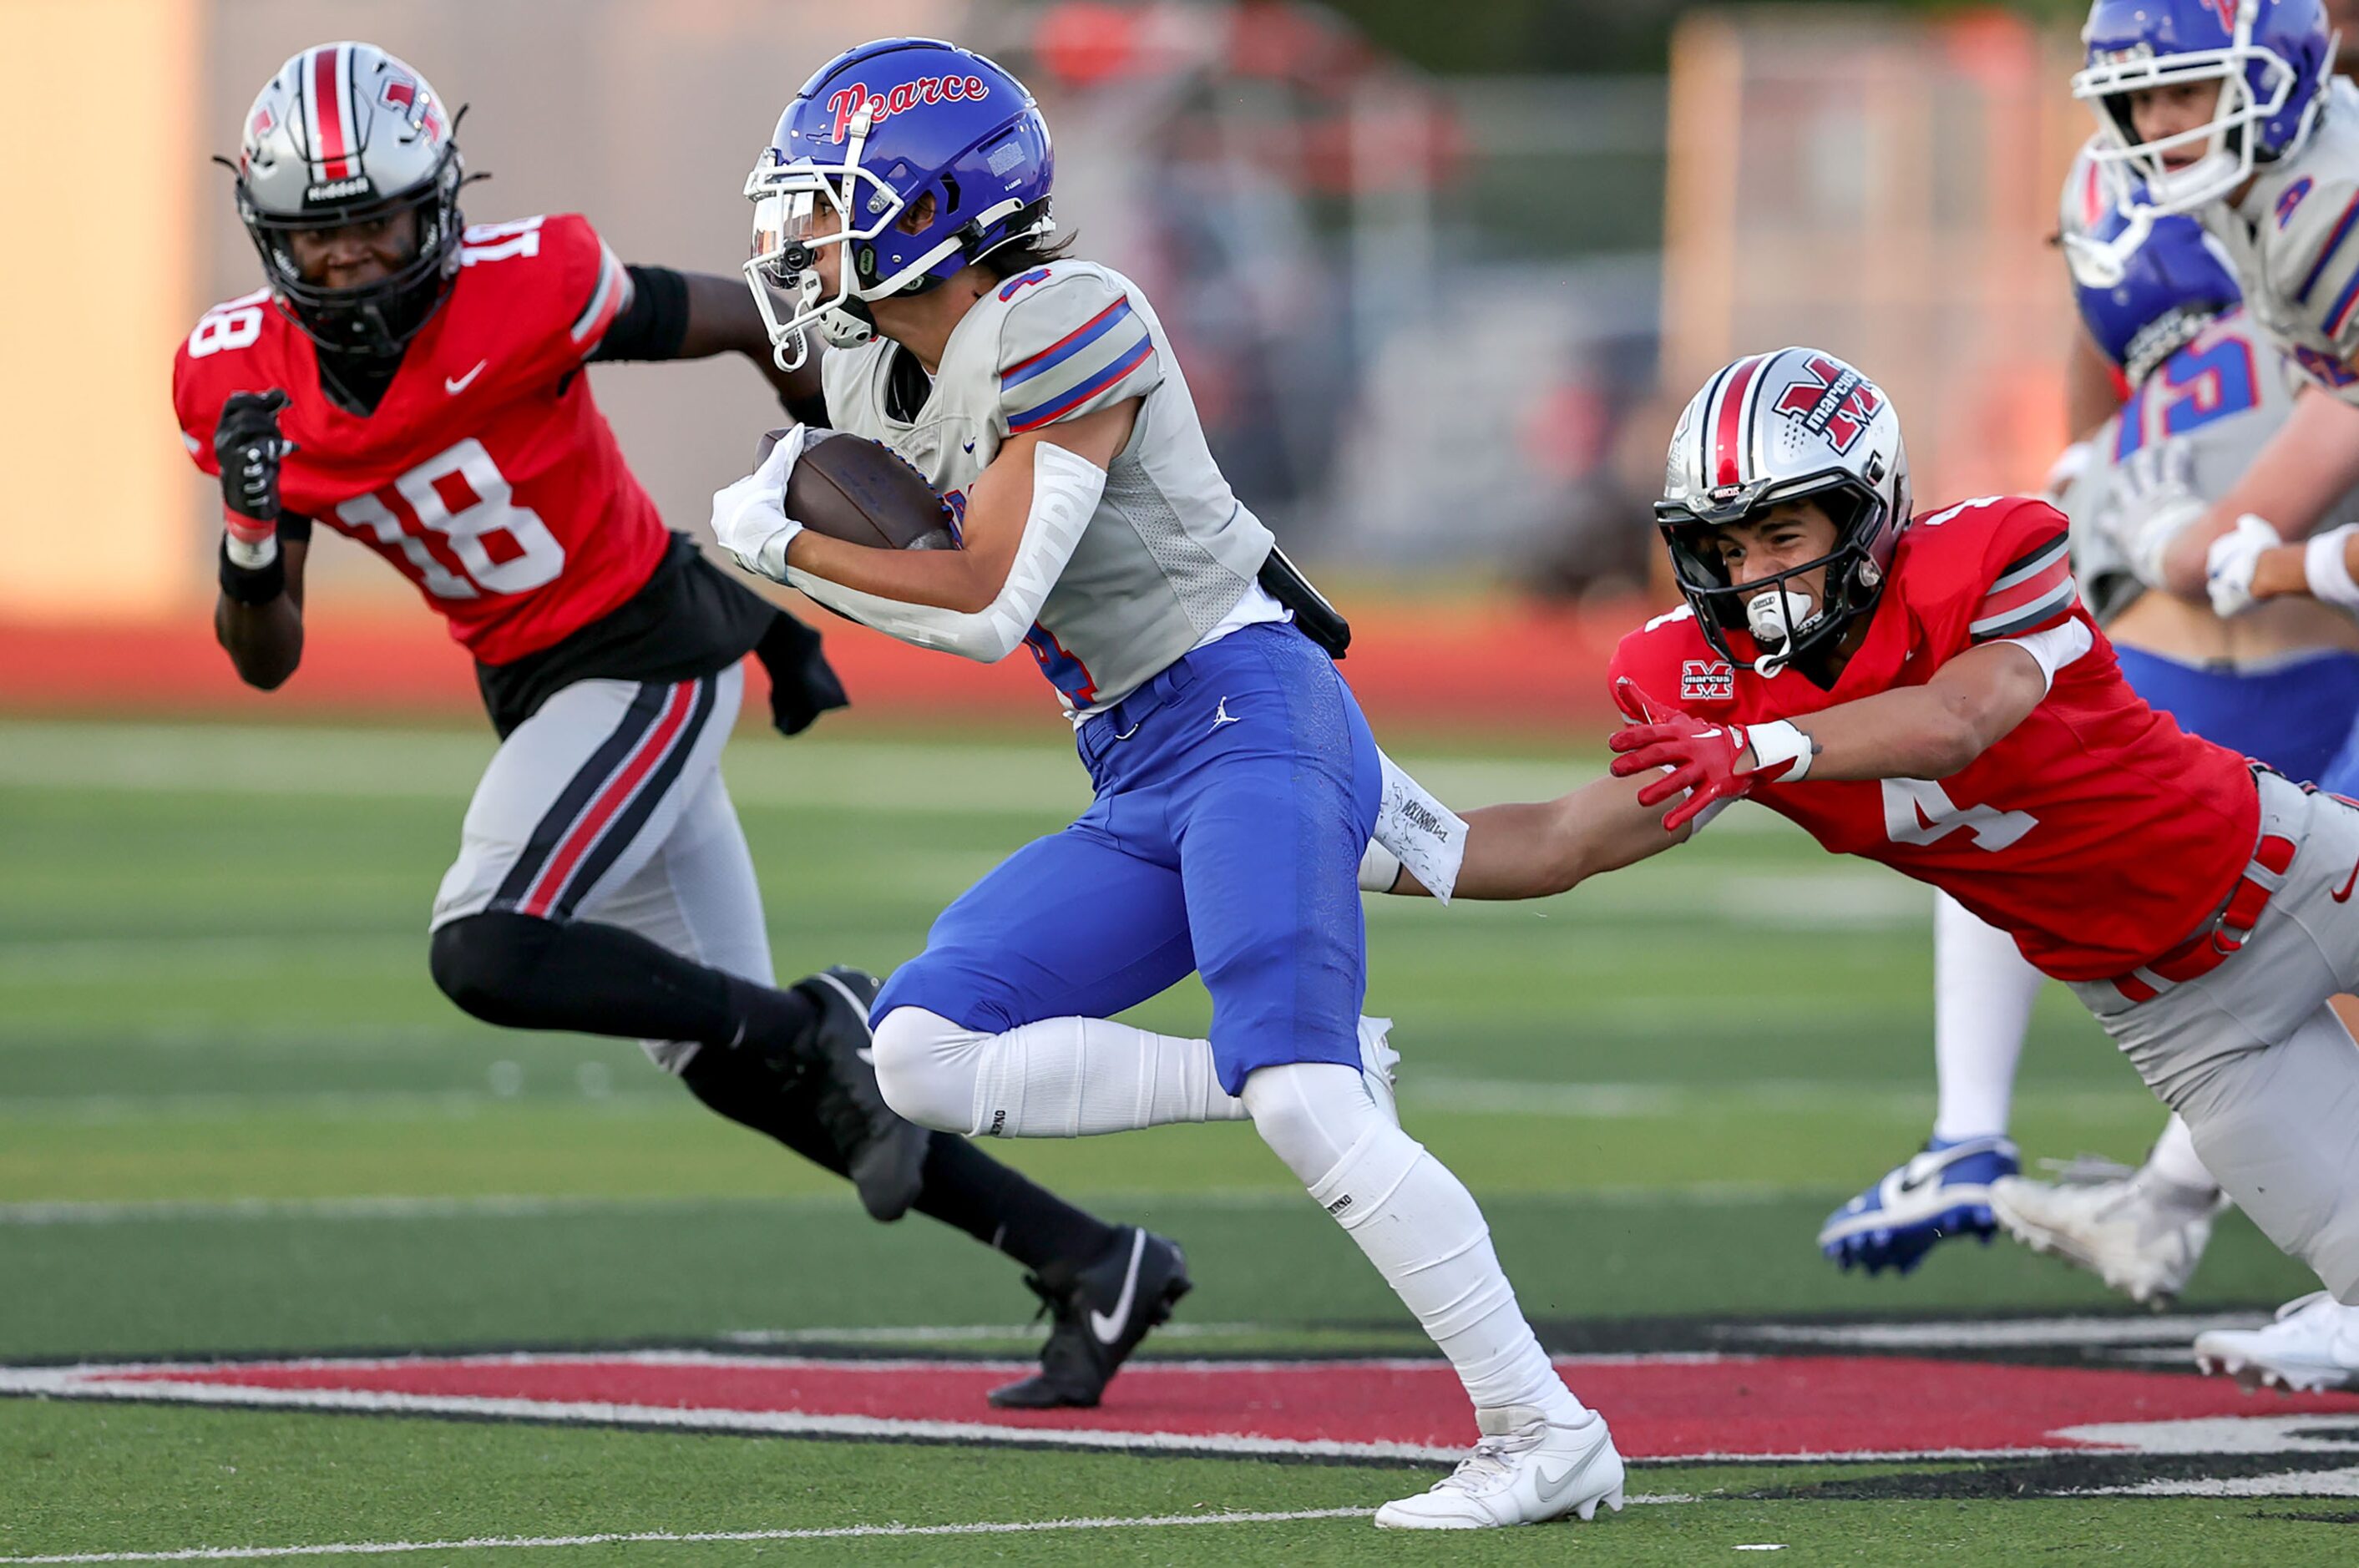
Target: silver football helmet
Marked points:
345	133
1782	427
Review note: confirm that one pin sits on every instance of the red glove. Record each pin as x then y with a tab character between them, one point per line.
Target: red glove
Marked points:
1701	753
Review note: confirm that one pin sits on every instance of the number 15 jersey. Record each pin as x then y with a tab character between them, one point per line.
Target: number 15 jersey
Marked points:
2096	833
486	475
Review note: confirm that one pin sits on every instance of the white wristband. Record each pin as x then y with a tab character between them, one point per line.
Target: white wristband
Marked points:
1777	743
2326	572
252	555
1379	869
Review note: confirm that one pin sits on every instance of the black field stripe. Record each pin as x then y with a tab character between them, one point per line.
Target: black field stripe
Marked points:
629	823
578	793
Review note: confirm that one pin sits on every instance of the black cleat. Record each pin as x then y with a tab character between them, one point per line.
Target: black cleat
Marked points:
1099	1318
885	1154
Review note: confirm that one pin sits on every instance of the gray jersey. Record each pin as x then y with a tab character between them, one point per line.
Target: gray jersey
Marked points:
1169	553
2294	242
2221	397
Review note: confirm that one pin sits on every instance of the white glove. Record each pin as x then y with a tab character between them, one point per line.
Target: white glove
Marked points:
2228	565
749	517
2154	502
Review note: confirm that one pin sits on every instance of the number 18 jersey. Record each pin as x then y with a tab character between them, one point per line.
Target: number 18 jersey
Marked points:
485	474
2096	833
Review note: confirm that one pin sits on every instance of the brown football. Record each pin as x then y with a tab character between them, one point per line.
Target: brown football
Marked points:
860	491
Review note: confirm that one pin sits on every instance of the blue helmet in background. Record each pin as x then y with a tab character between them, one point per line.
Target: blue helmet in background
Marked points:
2171	285
872	136
2271	58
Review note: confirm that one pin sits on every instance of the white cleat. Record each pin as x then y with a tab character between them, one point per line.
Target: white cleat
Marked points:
2312	1348
1379	1062
1526	1469
2141	1233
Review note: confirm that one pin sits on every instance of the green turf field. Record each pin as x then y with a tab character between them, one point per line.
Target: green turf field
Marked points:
236	1119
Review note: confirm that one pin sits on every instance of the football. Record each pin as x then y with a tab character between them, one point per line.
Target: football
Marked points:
857	490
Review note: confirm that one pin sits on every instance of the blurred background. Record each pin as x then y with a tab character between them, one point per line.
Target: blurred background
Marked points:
1439	288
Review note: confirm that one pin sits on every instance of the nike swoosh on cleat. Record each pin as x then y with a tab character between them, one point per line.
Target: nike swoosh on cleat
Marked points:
2344	896
1109	1328
455	385
1552	1481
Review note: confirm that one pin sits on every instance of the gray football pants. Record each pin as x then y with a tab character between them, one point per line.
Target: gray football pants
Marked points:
2251	1055
607	805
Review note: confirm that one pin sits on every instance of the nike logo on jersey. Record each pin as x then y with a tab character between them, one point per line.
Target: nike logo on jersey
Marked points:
1221	715
970	448
2344	896
455	385
1108	1327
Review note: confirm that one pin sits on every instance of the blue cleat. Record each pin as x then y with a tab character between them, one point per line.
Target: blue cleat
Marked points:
1940	1192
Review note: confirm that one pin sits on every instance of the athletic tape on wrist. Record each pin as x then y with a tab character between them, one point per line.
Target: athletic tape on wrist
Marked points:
253	584
1379	869
1775	746
2326	572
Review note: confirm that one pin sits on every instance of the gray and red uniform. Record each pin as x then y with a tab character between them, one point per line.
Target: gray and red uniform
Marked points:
608	652
2195	903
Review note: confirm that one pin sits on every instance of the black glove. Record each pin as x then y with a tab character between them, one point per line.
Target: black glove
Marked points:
247	445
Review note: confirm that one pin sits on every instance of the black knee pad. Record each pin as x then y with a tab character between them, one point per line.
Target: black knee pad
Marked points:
489	964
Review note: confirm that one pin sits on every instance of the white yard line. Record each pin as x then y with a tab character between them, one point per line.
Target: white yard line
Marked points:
843	1532
511	1542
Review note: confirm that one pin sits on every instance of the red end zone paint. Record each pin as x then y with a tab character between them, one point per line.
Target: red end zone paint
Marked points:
1661	1407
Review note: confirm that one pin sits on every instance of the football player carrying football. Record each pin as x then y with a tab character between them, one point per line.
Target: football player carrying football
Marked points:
2207	389
2227	109
902	211
1930	692
417	384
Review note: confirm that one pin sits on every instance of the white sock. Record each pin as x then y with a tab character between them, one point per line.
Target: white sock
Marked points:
1056	1078
1983	992
2173	1158
1416	1223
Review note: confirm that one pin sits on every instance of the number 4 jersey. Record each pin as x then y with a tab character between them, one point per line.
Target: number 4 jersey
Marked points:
2096	833
486	475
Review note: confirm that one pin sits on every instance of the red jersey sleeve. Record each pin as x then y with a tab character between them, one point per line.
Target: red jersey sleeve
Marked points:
1987	569
224	354
553	289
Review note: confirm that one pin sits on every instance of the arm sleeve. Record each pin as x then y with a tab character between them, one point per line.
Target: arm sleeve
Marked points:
1070	344
653	321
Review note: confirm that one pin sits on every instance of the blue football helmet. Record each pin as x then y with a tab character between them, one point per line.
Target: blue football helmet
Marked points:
873	133
2173	284
2271	58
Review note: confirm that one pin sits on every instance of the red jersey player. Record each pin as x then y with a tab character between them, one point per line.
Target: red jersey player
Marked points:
417	384
1929	693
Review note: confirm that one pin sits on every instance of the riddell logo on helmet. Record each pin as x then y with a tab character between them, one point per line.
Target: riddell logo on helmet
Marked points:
845	102
337	190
